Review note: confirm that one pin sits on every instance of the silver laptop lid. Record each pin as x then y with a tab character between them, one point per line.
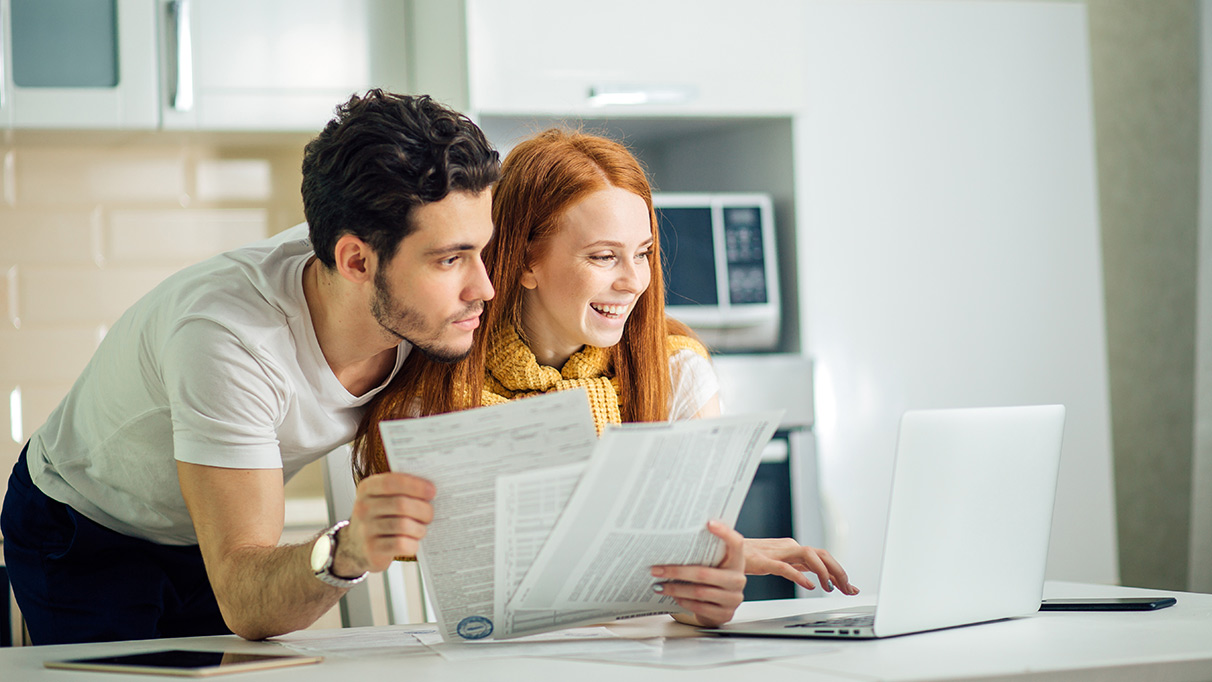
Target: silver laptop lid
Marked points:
969	517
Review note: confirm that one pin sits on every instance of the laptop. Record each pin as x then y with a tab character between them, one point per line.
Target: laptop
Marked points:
968	526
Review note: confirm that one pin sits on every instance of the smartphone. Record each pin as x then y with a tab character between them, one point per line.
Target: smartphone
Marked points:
184	663
1108	604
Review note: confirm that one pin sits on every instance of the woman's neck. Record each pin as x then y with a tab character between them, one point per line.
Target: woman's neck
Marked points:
547	351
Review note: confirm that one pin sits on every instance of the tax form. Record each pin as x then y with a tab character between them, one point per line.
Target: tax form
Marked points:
463	454
644	499
538	525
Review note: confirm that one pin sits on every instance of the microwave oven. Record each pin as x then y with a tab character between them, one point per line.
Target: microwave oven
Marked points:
720	267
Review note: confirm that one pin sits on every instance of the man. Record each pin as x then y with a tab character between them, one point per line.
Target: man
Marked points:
151	502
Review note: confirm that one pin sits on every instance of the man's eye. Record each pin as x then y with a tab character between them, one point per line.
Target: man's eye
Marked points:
450	261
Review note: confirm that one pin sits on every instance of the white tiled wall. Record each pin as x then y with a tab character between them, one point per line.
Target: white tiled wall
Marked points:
76	176
156	237
86	229
227	179
51	236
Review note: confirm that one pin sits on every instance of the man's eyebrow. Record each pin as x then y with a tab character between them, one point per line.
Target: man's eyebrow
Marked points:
449	248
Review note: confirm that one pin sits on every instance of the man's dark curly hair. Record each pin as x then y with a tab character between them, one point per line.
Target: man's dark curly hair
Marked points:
381	157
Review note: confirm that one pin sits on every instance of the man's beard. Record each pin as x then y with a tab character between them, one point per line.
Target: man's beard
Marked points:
407	324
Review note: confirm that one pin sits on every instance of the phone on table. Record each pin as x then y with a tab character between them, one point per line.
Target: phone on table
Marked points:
184	663
1108	604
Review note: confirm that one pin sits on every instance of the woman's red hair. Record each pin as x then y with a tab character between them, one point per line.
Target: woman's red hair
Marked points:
540	180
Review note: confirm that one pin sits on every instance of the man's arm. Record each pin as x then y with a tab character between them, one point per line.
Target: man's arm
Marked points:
265	590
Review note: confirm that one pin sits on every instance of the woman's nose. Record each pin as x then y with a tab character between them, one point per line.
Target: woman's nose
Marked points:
630	279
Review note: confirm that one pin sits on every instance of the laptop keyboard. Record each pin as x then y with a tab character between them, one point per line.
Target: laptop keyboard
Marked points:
839	621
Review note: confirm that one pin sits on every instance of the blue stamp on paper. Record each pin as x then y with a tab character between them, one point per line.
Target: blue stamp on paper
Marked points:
474	627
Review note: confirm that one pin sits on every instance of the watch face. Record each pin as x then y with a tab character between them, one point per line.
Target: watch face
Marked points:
320	553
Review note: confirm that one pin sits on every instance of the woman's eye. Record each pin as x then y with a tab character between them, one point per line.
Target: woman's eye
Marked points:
602	257
643	255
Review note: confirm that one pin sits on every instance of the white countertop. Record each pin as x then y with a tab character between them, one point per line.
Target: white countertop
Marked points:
1170	644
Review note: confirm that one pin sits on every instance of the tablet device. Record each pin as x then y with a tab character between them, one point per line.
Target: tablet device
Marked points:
184	663
1108	604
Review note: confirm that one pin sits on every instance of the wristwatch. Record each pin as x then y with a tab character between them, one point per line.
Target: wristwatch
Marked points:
324	552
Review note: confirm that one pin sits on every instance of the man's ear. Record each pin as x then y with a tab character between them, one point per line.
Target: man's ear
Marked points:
354	258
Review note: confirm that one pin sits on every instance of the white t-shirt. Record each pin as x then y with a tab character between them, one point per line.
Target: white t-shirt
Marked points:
218	365
694	382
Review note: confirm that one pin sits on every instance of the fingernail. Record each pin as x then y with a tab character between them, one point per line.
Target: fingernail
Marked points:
658	588
828	585
657	571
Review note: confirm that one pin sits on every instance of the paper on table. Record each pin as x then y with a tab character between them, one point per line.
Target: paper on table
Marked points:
392	639
703	652
463	454
433	638
644	500
589	642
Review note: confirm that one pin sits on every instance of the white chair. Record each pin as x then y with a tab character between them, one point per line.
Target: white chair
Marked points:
393	597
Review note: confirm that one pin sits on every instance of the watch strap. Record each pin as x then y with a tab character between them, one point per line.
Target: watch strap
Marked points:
325	574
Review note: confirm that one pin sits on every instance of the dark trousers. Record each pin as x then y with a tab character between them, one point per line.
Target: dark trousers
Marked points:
77	581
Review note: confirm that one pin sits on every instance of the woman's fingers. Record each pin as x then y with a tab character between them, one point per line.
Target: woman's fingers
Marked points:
711	593
759	564
787	558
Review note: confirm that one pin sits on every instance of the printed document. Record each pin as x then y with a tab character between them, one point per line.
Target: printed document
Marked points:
463	454
539	525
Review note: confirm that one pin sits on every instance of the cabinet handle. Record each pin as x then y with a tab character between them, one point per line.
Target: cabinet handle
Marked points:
630	95
182	87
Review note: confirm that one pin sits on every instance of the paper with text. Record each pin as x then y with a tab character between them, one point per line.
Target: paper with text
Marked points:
538	525
645	499
463	454
528	506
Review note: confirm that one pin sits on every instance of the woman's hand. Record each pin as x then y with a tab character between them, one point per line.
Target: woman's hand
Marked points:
710	594
790	559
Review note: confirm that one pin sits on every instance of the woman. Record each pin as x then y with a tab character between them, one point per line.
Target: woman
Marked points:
580	303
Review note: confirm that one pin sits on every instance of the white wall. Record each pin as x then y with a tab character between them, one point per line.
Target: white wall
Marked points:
949	248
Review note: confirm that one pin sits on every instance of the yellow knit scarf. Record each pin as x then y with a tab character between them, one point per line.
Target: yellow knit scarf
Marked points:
511	371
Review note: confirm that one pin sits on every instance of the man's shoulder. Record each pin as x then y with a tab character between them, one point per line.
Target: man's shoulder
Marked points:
252	290
290	243
298	233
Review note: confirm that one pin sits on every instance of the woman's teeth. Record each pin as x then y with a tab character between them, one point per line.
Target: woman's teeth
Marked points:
609	310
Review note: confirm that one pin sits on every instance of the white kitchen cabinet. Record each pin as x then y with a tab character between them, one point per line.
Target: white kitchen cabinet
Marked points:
78	64
651	57
275	64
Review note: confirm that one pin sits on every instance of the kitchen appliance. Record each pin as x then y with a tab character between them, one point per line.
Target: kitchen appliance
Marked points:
720	267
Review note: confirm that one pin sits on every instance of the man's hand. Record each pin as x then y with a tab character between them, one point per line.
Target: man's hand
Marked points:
391	514
711	594
790	559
